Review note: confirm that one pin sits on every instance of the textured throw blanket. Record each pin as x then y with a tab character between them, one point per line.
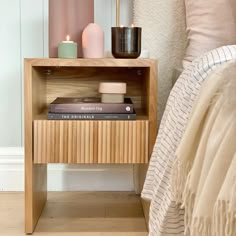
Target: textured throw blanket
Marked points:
224	215
205	156
166	216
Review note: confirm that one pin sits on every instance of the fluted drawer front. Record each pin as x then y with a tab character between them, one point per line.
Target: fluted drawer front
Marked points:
123	141
65	141
90	141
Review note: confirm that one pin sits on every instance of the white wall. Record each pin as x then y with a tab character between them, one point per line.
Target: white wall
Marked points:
10	74
23	34
105	16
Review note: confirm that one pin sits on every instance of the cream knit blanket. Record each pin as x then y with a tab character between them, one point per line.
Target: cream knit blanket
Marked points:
204	172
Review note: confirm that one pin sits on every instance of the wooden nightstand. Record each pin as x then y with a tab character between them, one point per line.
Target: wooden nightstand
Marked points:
83	142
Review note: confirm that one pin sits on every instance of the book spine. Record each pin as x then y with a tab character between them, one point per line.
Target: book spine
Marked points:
94	116
92	108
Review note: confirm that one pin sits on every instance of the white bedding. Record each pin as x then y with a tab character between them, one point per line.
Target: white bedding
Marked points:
166	218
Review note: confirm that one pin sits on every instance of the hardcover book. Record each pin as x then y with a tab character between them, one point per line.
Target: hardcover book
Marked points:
91	116
89	105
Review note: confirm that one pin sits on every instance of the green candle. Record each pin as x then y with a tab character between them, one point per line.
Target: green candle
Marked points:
67	49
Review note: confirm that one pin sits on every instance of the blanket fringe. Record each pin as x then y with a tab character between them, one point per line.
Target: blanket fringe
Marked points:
188	204
233	194
201	226
179	177
224	215
224	219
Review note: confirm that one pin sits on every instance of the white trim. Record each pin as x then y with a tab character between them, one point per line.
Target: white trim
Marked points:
64	177
11	151
12	161
11	155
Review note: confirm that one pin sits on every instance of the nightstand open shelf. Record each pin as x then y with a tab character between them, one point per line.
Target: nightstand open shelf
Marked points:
89	141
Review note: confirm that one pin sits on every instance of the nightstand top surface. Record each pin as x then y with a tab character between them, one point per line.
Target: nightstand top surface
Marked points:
81	62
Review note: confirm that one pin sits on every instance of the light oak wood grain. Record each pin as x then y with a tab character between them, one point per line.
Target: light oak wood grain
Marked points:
152	105
35	175
84	82
88	141
77	214
149	103
146	208
103	62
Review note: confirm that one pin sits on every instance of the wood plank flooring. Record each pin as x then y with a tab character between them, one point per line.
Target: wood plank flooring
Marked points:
77	214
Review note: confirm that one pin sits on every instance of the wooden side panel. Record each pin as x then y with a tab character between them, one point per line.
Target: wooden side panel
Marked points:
35	175
152	105
123	142
140	171
146	207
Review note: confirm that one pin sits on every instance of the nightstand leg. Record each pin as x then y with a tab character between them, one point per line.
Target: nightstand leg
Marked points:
35	194
139	175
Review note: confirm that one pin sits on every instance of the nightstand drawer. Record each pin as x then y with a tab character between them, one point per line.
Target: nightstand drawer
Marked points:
90	141
123	141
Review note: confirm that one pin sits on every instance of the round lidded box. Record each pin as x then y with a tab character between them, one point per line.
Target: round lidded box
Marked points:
112	92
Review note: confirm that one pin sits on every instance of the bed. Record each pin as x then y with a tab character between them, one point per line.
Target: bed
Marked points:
174	209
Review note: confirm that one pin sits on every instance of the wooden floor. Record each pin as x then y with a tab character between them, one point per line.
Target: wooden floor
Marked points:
77	214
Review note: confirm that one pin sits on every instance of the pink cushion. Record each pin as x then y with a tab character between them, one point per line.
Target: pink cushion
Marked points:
210	24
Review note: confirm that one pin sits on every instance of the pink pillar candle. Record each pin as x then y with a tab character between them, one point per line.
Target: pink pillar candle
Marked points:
93	41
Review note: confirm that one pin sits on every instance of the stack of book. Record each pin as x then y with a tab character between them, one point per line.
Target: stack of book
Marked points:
65	108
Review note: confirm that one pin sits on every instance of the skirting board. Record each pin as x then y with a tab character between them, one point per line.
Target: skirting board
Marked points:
65	177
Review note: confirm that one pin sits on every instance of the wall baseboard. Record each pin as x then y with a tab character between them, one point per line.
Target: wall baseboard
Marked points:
65	177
